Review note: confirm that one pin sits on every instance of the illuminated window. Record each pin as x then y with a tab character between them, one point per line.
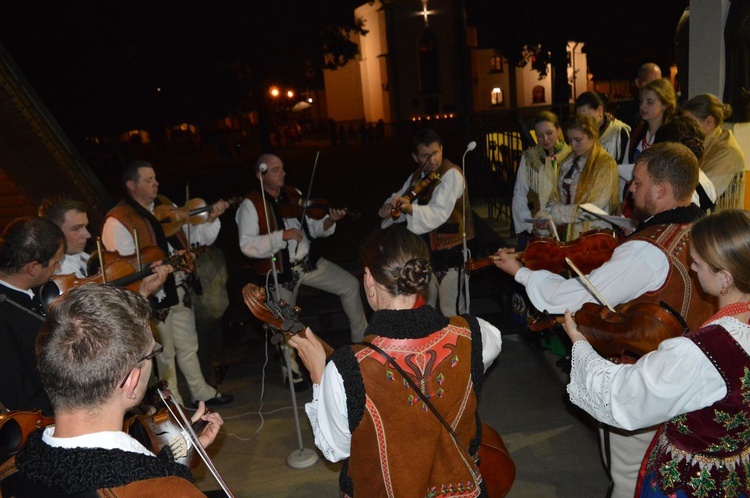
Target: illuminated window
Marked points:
496	97
537	95
496	64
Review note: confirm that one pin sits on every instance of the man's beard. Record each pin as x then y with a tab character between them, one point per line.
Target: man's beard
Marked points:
641	214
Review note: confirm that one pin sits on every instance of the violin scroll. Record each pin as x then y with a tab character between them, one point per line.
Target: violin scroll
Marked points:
415	189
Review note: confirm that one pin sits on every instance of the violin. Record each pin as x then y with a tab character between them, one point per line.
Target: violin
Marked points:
292	205
631	331
167	430
589	251
415	189
120	271
15	427
161	433
277	314
195	212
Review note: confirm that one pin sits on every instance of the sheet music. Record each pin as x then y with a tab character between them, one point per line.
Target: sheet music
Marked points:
620	221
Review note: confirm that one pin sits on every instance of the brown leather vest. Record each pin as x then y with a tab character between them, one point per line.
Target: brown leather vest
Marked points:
450	233
389	456
262	266
125	214
681	289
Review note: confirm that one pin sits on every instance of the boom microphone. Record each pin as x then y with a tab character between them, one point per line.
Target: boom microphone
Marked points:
263	167
472	145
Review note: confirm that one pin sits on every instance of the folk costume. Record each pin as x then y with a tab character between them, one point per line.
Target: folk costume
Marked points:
438	216
177	332
108	464
653	265
74	263
362	412
536	178
21	318
724	163
585	179
614	136
696	387
295	263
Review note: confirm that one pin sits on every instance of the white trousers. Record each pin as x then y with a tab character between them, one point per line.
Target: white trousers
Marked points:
627	449
332	278
449	292
179	337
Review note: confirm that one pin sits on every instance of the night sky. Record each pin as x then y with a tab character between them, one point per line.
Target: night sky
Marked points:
112	65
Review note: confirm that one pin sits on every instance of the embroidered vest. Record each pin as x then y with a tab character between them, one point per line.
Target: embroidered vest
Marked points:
399	448
681	289
705	453
450	233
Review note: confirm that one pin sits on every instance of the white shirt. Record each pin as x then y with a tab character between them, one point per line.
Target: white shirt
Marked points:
255	245
677	378
428	217
636	267
108	440
74	263
328	413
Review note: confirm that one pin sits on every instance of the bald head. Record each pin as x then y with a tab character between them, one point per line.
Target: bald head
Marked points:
646	73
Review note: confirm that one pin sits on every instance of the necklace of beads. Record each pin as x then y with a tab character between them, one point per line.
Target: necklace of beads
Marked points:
729	310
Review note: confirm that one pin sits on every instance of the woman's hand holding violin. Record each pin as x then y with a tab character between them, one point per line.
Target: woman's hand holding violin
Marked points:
214	423
311	352
571	328
506	261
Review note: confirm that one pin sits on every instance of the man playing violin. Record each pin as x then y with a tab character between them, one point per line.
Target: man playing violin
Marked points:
440	214
652	265
72	218
94	354
287	242
177	331
30	251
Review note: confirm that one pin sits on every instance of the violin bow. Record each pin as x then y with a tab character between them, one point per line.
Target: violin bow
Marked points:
587	283
309	192
187	428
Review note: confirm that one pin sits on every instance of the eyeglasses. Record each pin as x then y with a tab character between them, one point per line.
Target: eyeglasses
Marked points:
148	357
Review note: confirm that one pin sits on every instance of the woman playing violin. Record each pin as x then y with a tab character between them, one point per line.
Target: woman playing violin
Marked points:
361	409
695	386
94	356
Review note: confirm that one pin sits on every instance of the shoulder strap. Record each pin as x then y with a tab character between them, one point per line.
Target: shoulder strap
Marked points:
419	392
7	469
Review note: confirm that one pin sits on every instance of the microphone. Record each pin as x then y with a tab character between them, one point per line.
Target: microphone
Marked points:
263	167
472	145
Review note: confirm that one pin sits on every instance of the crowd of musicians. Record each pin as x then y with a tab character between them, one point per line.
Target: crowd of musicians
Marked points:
658	330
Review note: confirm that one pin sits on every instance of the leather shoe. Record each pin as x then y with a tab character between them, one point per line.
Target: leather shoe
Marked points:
219	399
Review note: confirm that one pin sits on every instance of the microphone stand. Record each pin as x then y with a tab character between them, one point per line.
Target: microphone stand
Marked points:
301	458
472	145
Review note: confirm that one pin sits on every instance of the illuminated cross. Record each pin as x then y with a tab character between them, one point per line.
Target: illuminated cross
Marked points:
425	13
